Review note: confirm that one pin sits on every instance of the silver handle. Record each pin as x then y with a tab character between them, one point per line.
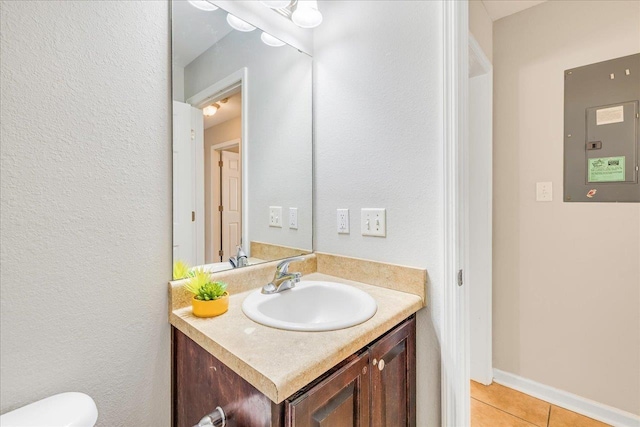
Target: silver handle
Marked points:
215	419
283	266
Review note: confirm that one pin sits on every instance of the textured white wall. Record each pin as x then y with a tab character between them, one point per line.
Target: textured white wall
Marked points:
566	309
86	206
279	143
378	143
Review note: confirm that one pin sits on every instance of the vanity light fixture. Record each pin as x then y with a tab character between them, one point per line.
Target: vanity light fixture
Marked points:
203	5
307	14
269	40
238	24
279	4
211	109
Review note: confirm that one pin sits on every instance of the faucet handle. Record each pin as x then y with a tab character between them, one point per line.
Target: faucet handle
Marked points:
239	252
283	266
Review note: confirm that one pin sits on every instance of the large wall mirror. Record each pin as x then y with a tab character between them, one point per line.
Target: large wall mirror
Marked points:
242	142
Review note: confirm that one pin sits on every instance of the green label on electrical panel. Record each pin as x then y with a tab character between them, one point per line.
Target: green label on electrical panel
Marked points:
606	169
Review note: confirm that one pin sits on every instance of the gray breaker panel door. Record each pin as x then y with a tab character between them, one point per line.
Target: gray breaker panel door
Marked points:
601	135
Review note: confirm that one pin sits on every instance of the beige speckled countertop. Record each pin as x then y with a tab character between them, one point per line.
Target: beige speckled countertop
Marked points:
279	363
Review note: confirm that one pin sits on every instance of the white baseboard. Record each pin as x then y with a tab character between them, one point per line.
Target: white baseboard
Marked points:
572	402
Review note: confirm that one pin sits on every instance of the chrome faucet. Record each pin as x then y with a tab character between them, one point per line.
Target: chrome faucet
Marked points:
240	260
283	280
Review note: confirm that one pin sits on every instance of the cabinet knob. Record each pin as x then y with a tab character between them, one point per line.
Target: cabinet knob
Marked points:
381	365
375	362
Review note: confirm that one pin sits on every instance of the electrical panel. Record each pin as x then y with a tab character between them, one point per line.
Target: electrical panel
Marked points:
601	131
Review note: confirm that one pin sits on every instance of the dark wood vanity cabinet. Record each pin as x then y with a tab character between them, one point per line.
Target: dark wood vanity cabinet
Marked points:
375	387
393	378
201	382
341	400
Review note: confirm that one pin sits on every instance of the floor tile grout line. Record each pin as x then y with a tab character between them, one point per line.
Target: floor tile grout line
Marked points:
548	424
508	413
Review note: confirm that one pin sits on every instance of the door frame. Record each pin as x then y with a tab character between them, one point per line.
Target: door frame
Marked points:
215	219
455	385
215	92
483	306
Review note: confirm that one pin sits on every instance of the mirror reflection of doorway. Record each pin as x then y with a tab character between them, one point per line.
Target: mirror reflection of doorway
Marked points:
225	207
207	164
223	179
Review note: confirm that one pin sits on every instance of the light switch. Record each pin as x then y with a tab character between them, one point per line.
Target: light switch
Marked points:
544	192
373	222
275	216
293	218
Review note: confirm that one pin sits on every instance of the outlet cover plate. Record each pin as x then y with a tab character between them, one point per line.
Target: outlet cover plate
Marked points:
343	221
293	218
275	216
373	222
544	192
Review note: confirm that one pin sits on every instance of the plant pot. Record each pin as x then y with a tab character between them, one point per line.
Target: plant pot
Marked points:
211	308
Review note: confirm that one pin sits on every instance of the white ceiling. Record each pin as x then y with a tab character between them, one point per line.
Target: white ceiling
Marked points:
500	8
230	110
195	31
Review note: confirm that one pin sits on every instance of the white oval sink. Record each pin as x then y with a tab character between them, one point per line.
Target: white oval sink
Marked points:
311	306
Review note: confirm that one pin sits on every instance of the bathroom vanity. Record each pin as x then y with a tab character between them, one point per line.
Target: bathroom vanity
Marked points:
362	375
375	386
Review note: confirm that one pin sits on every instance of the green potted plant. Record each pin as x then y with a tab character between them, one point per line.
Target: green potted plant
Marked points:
210	298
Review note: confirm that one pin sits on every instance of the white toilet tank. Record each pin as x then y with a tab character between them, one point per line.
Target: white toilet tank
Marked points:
70	409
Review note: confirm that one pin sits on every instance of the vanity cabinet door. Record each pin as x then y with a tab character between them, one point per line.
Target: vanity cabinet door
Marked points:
340	400
393	378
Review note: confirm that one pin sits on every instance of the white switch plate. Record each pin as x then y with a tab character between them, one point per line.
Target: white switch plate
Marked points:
374	222
275	216
293	218
544	192
343	221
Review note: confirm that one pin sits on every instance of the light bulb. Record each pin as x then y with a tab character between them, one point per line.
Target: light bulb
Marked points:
210	110
280	4
307	14
238	24
203	5
269	40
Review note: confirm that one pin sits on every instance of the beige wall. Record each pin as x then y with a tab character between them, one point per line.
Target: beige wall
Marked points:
481	26
566	275
225	131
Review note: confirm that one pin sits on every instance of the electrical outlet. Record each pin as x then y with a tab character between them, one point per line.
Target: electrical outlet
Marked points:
293	218
343	221
373	222
544	192
275	216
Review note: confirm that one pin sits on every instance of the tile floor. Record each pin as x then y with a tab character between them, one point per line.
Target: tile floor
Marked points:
499	406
